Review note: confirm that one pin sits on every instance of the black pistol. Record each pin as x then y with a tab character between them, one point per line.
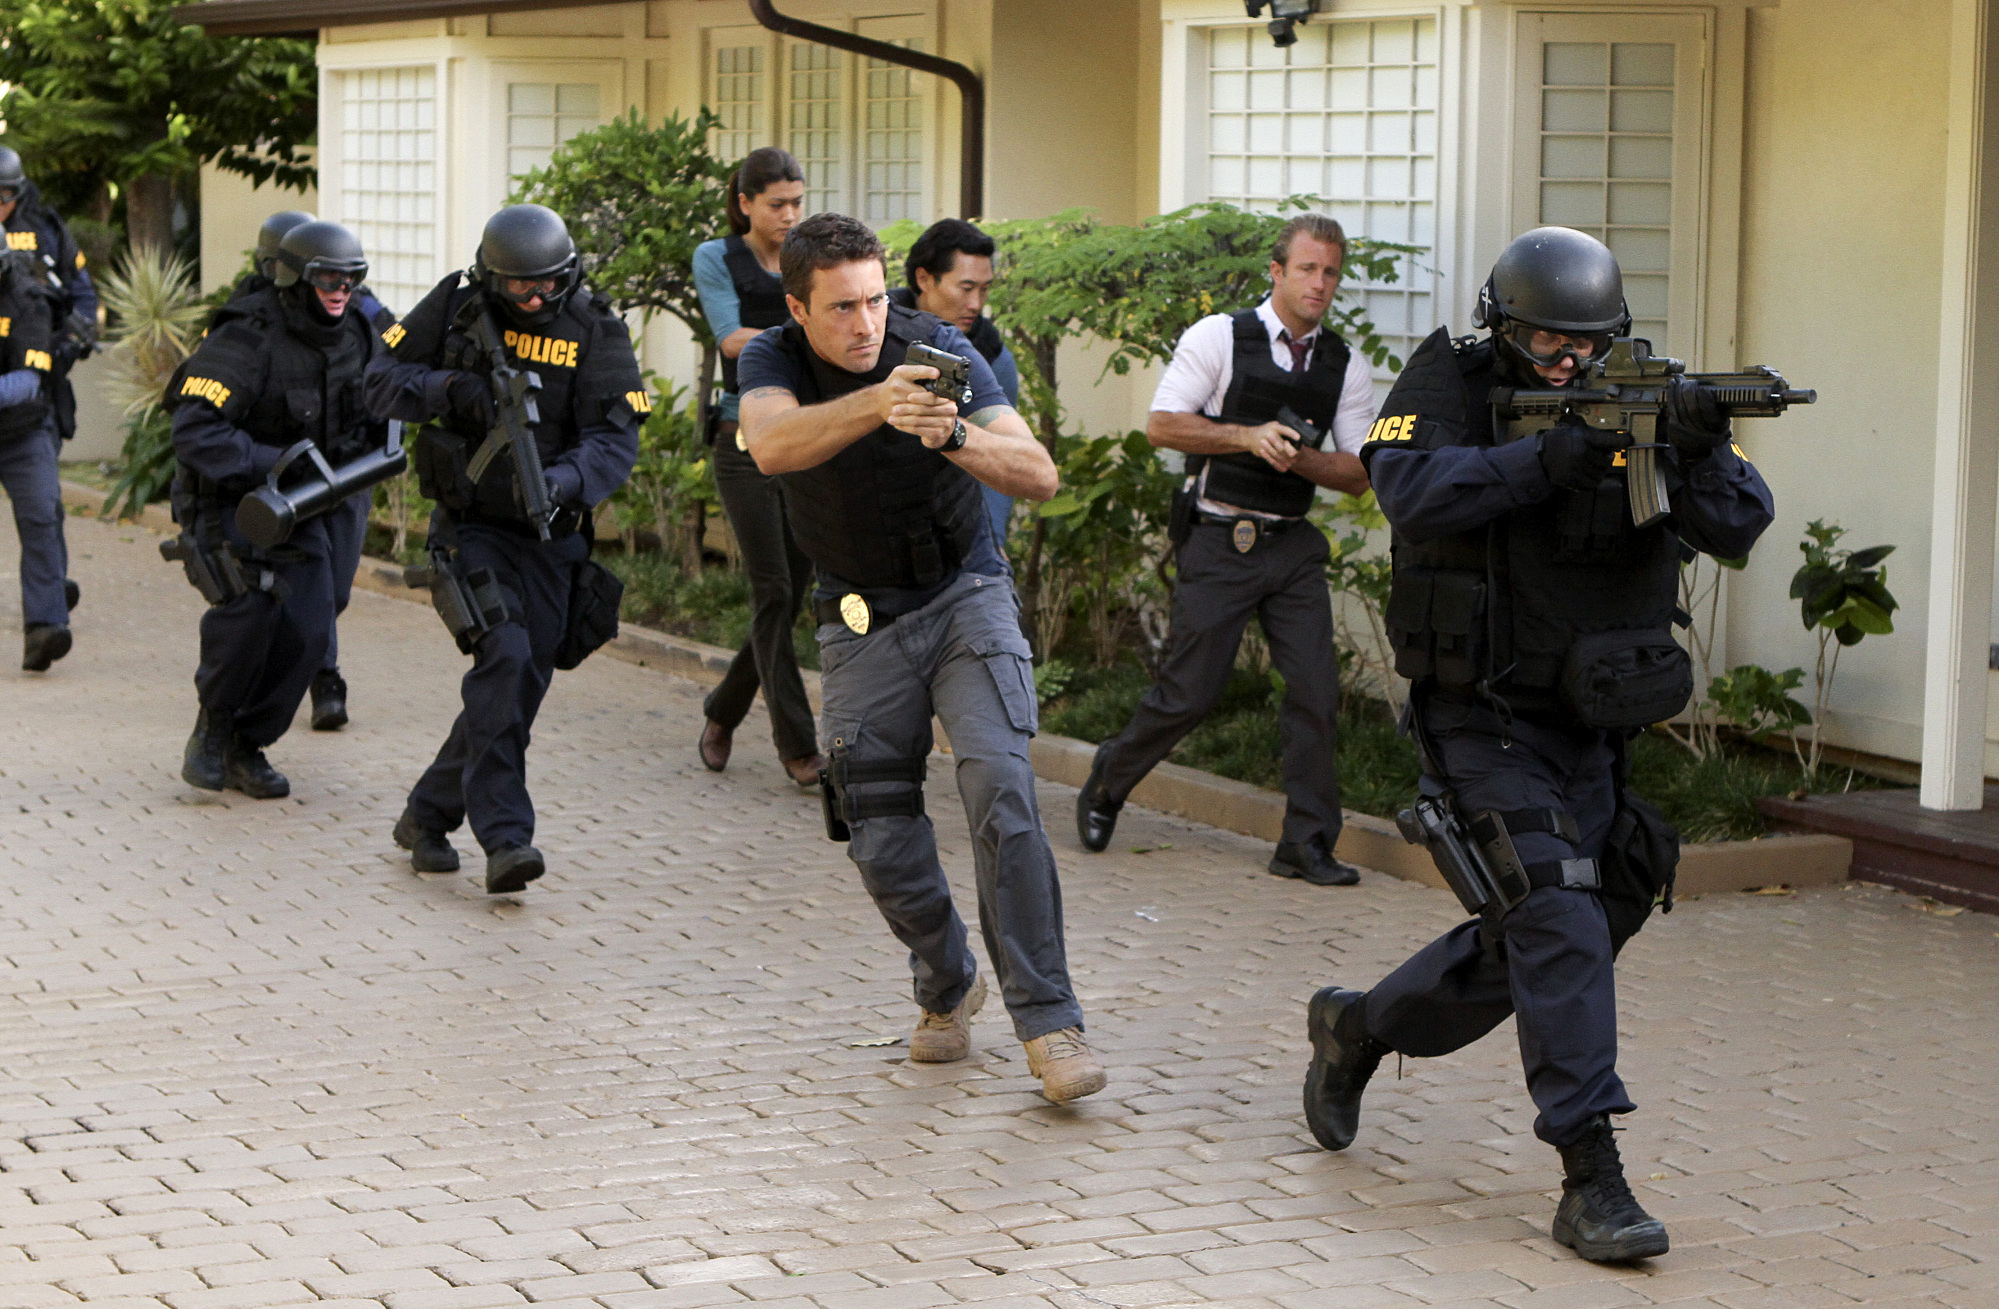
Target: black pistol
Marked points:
954	373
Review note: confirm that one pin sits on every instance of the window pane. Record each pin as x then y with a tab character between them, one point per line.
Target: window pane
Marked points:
1347	114
388	157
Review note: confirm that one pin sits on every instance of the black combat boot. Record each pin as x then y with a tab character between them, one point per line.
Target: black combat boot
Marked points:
1599	1218
511	869
329	700
206	758
245	769
45	643
71	593
1096	817
1344	1056
1311	862
429	851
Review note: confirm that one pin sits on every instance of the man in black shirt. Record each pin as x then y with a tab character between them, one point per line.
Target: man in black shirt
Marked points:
882	485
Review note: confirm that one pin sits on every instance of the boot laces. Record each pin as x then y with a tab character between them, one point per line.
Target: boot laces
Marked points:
937	1022
1065	1044
1604	1182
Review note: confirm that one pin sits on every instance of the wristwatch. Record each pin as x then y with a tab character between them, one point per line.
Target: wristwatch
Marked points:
956	441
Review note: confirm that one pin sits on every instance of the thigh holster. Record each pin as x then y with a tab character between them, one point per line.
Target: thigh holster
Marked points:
213	566
841	806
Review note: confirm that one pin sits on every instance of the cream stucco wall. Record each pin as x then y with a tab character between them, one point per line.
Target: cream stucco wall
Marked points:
1840	289
232	209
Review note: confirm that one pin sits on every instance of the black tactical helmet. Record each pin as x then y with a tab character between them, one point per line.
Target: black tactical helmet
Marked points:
321	254
272	232
1558	280
528	242
13	178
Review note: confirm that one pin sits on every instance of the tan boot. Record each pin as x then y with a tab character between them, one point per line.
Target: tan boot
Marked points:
1067	1068
946	1038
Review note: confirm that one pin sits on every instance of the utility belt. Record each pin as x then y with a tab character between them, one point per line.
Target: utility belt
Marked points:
1479	863
473	603
841	806
220	570
1246	530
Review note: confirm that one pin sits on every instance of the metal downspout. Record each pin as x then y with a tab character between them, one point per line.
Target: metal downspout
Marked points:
972	148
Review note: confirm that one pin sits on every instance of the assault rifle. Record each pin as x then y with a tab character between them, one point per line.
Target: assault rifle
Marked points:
515	414
1624	392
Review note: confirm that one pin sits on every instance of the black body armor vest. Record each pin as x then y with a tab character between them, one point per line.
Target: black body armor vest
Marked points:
25	335
556	353
1501	607
984	334
759	297
1258	389
312	382
887	511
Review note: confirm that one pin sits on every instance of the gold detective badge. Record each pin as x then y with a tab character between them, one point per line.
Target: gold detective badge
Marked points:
854	613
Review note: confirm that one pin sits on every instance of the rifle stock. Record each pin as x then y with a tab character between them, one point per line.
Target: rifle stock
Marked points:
1625	392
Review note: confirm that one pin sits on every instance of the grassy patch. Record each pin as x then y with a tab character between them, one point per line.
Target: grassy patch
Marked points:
1708	799
712	606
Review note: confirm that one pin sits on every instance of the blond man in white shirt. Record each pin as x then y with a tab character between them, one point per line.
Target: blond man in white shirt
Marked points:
1268	405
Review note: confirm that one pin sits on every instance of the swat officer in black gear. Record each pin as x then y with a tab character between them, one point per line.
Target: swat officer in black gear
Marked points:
39	234
1251	399
347	526
28	458
916	616
1519	576
281	365
526	285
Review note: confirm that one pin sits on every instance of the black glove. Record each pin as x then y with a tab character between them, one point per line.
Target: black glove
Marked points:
471	399
1577	457
1695	423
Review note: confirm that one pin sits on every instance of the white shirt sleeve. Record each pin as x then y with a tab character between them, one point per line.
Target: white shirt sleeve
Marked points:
1202	361
1356	411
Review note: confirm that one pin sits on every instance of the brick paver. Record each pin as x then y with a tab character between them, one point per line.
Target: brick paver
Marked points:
247	1058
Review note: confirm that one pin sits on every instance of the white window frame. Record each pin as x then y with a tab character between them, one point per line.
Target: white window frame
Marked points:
608	74
334	195
1689	31
847	189
1187	27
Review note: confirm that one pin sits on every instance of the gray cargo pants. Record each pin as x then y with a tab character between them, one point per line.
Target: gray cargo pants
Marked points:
961	657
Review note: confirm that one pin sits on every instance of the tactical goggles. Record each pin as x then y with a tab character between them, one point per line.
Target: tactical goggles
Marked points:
520	290
1547	348
333	281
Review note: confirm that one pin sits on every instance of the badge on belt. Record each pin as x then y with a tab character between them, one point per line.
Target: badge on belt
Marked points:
742	442
1245	535
854	613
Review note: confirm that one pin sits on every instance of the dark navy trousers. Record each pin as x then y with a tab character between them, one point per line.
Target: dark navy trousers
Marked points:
480	773
28	472
260	650
346	532
1554	972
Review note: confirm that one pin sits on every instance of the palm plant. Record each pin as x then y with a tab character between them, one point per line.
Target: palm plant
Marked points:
157	316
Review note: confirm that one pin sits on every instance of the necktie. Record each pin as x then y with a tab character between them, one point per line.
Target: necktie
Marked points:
1299	349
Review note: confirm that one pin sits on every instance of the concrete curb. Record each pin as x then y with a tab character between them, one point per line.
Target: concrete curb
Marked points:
1705	869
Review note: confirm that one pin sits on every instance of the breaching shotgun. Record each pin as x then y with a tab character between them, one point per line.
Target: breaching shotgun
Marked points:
1625	392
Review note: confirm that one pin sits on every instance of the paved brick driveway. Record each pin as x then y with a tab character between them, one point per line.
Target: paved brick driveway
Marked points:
247	1058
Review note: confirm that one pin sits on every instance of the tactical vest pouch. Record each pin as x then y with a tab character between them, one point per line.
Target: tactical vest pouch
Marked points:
1627	678
1640	862
441	467
594	597
1435	624
1245	481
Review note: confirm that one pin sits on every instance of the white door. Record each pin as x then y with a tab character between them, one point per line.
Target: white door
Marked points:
1609	137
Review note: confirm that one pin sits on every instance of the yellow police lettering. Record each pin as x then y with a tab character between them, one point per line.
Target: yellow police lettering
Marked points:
1731	445
202	388
640	402
532	349
6	327
38	359
21	241
394	336
79	259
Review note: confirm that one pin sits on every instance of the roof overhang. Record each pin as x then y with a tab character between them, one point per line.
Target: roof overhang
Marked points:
306	17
